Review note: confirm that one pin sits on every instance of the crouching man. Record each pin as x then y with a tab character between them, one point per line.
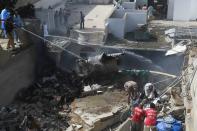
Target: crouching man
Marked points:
131	89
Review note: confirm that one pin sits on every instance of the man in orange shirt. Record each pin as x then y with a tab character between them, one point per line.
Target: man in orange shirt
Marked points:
137	118
151	118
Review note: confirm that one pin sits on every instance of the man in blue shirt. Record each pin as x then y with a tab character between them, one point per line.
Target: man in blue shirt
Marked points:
5	14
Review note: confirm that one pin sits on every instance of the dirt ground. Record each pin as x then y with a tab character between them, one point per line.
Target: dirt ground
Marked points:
100	104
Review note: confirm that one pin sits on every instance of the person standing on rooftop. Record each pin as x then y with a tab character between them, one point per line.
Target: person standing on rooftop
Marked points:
82	20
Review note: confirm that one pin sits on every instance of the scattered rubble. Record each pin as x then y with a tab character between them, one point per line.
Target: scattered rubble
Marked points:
46	102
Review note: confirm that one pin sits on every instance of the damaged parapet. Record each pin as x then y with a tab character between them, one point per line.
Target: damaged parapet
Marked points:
93	37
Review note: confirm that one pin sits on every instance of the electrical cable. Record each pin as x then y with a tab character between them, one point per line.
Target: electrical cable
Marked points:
50	42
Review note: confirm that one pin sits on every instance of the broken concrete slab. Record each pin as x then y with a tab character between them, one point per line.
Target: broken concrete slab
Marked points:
170	32
179	48
98	112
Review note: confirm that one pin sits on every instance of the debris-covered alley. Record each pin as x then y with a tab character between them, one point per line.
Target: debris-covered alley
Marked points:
98	65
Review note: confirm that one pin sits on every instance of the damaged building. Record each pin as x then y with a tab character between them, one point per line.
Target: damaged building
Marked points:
64	78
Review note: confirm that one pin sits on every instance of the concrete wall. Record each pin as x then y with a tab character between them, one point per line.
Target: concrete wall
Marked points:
15	74
134	20
183	10
19	71
125	126
117	31
100	1
96	37
119	13
193	9
93	1
46	3
129	5
191	117
128	21
47	16
140	2
170	9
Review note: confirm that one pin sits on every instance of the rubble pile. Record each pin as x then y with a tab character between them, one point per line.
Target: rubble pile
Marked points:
9	116
45	103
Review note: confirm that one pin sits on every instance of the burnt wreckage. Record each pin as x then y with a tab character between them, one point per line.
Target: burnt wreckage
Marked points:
98	65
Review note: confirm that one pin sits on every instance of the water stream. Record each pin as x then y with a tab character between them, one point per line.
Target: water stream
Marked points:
133	60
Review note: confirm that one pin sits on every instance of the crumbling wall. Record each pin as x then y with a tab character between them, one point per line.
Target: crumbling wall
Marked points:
25	2
134	20
117	31
170	9
46	15
91	37
19	71
176	10
129	5
16	74
193	10
191	104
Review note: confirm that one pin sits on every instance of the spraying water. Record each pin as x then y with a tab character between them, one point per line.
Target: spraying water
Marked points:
139	62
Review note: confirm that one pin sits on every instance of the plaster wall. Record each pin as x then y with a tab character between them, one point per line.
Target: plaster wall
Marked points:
127	21
182	10
92	37
190	86
193	10
116	27
129	5
140	3
47	16
46	3
170	9
15	74
134	20
93	1
191	118
100	1
118	13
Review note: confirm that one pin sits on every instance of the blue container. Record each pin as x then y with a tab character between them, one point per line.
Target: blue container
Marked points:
169	124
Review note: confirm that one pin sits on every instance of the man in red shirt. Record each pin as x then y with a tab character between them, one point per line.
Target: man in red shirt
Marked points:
151	118
137	118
